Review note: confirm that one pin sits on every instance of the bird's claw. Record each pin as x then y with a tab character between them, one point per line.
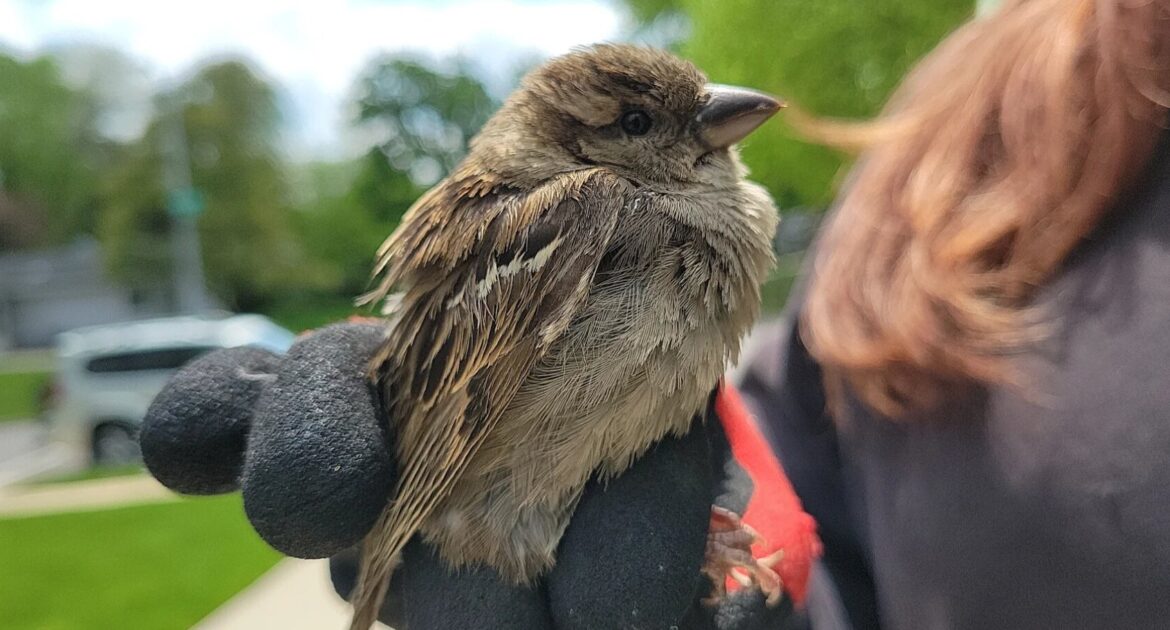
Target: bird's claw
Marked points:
729	555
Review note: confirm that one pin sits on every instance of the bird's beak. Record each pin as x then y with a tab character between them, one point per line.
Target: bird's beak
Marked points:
731	113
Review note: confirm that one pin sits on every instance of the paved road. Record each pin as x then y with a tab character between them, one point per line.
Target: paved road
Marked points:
19	436
295	594
25	452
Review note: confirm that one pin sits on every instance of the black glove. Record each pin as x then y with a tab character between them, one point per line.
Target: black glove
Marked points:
303	437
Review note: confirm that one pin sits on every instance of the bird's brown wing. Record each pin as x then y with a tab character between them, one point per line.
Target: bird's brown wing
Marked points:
491	277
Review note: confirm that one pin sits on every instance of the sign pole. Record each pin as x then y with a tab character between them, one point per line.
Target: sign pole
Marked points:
184	204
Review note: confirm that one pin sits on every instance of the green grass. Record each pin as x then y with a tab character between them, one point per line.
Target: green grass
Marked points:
19	392
152	566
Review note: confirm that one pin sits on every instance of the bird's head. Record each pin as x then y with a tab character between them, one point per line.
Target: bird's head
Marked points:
642	112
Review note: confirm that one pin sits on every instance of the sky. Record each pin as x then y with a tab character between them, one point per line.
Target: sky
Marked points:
314	49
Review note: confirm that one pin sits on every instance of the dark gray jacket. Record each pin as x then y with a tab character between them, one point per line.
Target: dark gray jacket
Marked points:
1048	508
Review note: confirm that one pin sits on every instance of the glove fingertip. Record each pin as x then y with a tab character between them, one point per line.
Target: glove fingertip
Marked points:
194	433
320	463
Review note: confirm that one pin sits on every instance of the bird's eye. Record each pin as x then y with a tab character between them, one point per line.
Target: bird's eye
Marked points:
636	122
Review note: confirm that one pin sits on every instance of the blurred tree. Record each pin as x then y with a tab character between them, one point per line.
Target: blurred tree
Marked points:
421	117
831	57
424	115
229	118
338	230
50	155
118	89
22	222
646	11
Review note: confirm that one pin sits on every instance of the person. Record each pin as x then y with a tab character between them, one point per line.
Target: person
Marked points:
968	389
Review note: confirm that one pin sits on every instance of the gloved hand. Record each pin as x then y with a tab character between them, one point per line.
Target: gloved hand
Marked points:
303	437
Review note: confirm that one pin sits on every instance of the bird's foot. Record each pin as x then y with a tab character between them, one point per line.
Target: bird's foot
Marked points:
729	555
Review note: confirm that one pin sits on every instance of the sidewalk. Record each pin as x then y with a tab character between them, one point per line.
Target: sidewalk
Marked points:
82	495
293	595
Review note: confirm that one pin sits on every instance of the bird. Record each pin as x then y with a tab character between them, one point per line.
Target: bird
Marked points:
568	295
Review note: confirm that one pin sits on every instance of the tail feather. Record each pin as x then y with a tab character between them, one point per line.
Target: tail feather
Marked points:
382	546
431	469
379	557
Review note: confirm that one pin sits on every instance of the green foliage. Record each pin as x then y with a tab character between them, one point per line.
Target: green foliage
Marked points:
427	115
831	57
343	231
299	313
646	11
228	119
49	155
152	566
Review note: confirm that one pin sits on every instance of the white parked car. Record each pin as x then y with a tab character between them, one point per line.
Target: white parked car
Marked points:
106	376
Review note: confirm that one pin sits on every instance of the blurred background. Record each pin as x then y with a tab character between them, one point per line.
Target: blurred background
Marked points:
178	177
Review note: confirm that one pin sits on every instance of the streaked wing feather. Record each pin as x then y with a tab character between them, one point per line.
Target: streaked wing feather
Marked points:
489	284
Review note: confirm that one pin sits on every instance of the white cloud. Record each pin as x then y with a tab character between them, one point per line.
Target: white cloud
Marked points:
313	48
14	28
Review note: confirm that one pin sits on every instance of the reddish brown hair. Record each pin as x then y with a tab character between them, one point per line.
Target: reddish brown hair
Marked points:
996	157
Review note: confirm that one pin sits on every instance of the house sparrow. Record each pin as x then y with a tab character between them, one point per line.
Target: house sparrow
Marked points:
570	294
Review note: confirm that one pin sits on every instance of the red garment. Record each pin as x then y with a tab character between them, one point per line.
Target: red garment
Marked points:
774	509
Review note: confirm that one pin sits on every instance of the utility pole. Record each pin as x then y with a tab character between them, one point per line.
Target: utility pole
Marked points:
184	204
